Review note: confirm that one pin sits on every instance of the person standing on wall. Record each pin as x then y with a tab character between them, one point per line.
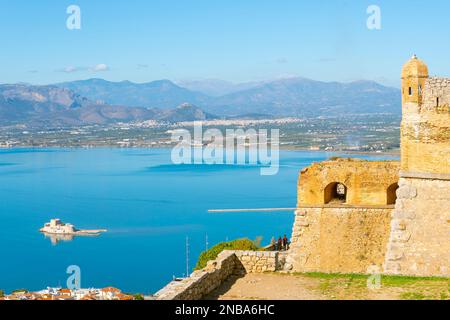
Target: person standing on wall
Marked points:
280	244
285	243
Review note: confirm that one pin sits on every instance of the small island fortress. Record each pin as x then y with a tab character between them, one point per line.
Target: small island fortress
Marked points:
365	217
56	227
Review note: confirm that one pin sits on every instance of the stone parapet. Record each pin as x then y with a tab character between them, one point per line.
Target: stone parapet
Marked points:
259	261
203	282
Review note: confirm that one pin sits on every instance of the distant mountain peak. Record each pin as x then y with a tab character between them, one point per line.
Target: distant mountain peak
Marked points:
162	94
186	105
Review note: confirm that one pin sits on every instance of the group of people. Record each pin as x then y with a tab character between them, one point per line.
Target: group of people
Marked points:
281	245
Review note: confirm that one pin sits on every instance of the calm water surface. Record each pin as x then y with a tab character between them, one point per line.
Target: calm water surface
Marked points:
148	205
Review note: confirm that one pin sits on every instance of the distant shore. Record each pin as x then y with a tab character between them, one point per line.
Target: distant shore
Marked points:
283	148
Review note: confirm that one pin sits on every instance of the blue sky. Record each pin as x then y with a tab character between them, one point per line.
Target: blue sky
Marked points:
234	40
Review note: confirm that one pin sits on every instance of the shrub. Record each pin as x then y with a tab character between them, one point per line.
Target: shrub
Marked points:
2	293
20	291
211	254
138	296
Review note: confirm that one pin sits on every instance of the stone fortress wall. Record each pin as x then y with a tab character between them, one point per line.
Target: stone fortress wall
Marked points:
420	229
339	239
367	182
228	263
393	216
344	233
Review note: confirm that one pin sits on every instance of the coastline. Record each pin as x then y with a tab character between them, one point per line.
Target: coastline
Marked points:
282	148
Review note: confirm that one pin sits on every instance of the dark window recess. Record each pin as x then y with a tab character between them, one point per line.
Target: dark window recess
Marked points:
335	193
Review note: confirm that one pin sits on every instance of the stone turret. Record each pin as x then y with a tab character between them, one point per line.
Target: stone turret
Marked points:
425	136
414	75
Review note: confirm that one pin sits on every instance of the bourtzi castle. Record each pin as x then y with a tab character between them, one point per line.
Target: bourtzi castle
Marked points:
356	216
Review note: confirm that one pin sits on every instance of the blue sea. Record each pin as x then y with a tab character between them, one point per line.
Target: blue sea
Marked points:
148	205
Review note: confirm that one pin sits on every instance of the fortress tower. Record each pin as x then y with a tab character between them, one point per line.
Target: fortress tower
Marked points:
360	216
420	229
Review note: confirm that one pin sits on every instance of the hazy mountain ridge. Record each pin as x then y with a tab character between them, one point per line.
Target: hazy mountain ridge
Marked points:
283	97
215	87
55	106
162	94
97	101
304	97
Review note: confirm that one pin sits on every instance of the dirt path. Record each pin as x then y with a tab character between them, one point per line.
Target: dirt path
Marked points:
275	286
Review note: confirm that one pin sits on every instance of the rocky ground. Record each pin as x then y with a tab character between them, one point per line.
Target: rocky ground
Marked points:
276	286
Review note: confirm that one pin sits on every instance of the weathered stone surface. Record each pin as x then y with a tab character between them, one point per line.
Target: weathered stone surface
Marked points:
425	132
342	240
424	243
203	282
367	182
406	192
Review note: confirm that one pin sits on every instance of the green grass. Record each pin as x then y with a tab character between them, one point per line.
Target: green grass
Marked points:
417	288
413	296
396	281
386	280
342	286
211	254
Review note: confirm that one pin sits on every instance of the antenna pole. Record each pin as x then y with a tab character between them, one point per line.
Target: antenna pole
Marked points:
187	257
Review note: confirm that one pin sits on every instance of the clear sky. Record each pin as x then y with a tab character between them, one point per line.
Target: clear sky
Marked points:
234	40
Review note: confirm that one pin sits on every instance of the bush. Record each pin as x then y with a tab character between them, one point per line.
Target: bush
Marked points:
138	296
20	291
211	254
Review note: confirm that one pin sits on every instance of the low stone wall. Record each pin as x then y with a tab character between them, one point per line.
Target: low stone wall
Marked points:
203	282
259	261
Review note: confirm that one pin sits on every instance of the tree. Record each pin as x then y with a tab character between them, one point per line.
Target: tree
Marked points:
138	296
211	254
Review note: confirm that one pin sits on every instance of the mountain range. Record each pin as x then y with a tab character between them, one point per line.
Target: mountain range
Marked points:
51	106
215	87
293	96
157	94
97	101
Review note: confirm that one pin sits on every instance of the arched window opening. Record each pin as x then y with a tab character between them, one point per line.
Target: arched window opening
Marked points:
335	192
410	91
392	194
